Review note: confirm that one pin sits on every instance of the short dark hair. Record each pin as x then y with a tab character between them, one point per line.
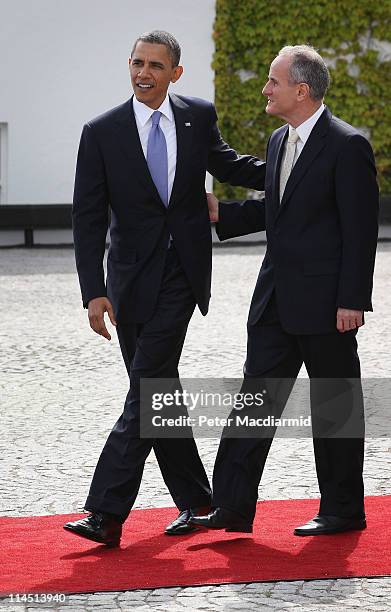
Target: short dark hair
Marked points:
160	37
307	66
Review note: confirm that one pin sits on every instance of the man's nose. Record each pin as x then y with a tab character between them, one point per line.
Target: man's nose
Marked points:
143	70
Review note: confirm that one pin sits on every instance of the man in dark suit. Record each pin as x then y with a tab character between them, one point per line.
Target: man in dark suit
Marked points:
320	213
147	160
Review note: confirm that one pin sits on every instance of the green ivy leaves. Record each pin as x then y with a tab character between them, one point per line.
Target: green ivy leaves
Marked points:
248	35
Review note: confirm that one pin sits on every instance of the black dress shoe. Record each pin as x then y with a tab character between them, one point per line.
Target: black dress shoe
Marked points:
220	518
181	525
98	527
323	524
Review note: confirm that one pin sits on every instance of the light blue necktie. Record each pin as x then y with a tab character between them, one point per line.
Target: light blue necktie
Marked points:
157	157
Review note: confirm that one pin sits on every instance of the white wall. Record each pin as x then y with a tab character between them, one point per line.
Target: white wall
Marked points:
64	62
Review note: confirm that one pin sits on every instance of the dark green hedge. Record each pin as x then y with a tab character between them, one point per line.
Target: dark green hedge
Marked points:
248	35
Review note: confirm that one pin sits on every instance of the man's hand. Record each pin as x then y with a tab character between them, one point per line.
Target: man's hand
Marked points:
213	205
96	310
349	319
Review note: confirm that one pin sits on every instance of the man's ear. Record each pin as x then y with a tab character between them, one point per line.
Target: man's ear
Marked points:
303	91
176	74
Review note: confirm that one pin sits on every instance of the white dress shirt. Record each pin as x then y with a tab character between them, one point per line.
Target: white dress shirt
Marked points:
143	116
304	130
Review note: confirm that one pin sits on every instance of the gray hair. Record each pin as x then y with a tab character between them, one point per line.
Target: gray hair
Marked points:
160	37
307	66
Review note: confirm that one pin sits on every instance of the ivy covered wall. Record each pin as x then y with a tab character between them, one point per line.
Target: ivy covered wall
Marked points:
354	37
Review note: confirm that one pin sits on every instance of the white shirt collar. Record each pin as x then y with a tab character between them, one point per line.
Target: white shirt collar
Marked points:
305	128
144	112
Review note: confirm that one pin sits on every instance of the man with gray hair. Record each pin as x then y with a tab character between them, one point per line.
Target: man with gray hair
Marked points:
320	212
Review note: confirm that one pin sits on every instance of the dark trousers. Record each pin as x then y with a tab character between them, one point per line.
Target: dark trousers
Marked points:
151	350
276	356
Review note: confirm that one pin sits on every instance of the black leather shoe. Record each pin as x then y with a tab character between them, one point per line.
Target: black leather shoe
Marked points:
98	527
324	525
181	525
220	518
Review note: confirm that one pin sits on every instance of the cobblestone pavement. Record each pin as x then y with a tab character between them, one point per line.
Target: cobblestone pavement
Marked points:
62	387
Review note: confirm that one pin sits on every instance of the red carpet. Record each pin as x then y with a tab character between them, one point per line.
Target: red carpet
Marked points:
38	556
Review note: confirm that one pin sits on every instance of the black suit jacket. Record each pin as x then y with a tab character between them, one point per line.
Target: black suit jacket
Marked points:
112	171
321	239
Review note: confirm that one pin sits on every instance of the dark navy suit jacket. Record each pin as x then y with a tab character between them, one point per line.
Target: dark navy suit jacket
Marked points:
112	173
321	239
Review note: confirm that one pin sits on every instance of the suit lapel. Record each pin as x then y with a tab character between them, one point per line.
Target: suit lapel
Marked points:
311	150
129	141
184	125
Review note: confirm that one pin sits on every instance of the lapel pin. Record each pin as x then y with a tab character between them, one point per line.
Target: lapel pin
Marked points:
188	124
